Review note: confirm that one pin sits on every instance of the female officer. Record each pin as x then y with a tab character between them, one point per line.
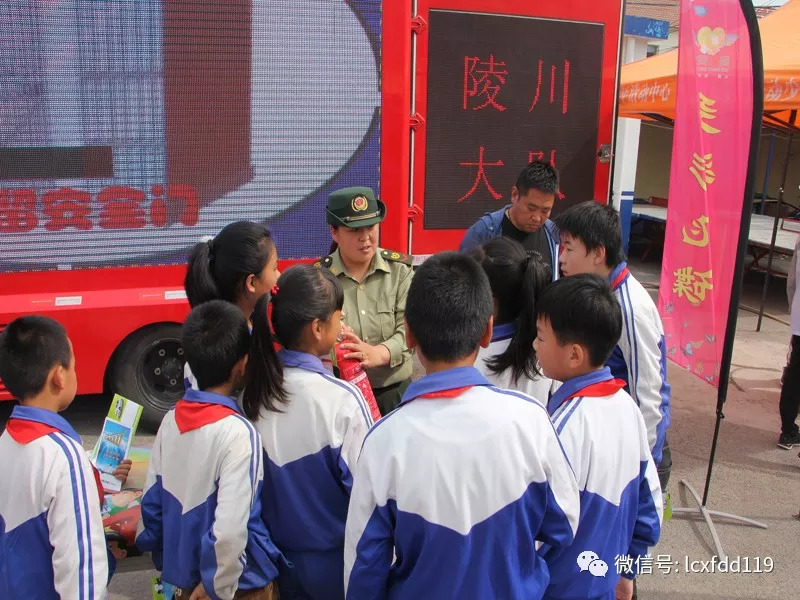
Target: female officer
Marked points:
375	283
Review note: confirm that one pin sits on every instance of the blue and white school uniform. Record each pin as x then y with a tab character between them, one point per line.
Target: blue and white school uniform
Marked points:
640	358
539	387
189	380
311	448
604	436
201	509
52	543
460	483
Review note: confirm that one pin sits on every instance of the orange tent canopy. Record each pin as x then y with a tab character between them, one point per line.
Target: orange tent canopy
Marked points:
647	87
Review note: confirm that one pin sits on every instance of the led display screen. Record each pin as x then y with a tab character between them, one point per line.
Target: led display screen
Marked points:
502	91
129	131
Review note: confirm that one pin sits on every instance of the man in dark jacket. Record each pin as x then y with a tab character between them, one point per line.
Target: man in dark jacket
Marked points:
527	218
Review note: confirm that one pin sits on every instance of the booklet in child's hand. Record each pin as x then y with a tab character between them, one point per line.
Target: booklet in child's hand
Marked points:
162	590
115	440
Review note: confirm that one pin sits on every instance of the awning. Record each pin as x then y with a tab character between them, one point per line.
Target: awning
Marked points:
647	87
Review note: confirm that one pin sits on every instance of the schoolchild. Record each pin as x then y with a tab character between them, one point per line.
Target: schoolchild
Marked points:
239	265
455	488
591	242
201	509
517	279
605	438
312	426
52	543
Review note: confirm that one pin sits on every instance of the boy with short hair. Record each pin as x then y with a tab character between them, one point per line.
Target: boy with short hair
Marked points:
591	242
463	480
52	543
605	438
201	510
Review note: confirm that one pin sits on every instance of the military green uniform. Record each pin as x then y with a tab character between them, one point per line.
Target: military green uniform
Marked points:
374	307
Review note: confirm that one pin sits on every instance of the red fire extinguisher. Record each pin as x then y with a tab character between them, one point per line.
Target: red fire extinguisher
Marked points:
351	371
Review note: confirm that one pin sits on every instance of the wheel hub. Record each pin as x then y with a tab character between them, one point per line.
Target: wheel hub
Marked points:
162	368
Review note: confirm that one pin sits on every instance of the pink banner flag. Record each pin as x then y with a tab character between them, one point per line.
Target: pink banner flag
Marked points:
711	147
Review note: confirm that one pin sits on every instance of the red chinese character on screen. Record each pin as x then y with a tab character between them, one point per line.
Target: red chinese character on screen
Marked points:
67	207
121	207
532	156
186	197
180	196
481	176
483	78
17	211
553	83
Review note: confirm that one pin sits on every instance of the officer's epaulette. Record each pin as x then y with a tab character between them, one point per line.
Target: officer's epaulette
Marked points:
405	259
324	262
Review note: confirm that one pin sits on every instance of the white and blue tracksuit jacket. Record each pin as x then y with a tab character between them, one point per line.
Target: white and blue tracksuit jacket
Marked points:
52	543
539	388
459	483
604	436
490	226
311	448
201	509
640	358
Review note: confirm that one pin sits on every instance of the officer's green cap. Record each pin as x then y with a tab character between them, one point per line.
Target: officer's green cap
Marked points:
355	207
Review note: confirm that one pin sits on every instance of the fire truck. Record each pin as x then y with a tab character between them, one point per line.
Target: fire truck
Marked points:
130	131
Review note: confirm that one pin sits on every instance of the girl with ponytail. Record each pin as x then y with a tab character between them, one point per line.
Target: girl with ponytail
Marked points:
312	426
517	280
239	266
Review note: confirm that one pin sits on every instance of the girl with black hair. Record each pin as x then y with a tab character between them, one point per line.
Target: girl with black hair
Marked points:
239	265
517	278
312	426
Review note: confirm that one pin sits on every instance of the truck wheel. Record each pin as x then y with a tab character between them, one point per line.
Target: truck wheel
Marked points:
148	369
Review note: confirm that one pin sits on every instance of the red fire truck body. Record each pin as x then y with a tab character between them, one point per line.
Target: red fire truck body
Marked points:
137	129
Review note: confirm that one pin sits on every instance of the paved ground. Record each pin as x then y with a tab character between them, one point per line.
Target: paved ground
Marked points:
751	477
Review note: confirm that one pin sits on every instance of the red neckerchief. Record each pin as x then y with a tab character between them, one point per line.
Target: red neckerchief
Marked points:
598	390
620	278
194	415
23	431
453	393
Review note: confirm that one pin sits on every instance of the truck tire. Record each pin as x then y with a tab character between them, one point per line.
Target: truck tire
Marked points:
148	368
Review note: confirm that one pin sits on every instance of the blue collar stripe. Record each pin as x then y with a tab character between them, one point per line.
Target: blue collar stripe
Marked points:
445	380
193	395
616	272
302	360
503	332
575	385
46	417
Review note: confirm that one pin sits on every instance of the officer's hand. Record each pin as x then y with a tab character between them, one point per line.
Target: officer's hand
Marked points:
368	356
349	337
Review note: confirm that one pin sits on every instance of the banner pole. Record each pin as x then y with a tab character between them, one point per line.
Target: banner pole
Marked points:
744	232
733	309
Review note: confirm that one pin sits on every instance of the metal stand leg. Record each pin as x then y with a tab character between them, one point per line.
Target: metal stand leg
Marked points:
707	514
